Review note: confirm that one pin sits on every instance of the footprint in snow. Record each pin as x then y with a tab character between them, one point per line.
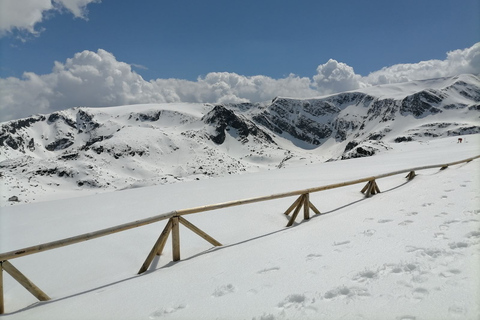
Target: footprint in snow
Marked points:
313	256
268	270
292	300
443	227
405	223
166	311
341	243
420	293
450	273
451	221
457	309
406	318
384	220
473	234
458	245
404	267
369	232
439	235
343	291
223	290
366	275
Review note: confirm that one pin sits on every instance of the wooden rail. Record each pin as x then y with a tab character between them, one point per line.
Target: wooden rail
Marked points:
175	218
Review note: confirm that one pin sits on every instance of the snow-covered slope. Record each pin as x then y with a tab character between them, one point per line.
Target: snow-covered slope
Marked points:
410	252
89	150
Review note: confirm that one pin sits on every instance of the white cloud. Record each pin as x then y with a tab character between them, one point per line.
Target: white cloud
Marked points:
97	79
23	15
77	7
457	62
335	76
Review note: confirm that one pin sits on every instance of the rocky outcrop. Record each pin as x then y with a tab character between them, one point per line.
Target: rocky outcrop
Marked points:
224	120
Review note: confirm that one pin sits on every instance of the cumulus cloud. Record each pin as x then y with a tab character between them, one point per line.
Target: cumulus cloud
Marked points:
24	15
457	62
98	79
335	76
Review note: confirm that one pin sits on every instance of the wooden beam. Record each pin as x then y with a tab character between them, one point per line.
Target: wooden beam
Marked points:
294	205
84	237
377	189
100	233
314	208
175	239
24	281
157	247
198	231
410	175
306	206
297	210
365	188
164	236
371	189
2	306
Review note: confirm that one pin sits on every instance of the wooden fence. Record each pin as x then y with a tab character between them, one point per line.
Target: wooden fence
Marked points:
175	218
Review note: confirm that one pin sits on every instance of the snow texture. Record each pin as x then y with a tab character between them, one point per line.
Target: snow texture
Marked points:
410	252
83	151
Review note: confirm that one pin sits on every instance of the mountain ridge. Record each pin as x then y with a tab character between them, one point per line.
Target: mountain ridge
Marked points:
101	149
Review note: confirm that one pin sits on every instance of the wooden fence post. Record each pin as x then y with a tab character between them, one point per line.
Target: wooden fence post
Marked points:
410	175
297	210
173	227
175	239
303	200
306	207
370	188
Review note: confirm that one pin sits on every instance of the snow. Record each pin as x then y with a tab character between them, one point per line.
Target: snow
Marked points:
393	91
81	151
410	252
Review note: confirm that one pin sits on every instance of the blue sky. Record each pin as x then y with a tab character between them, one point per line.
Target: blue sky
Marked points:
57	54
186	39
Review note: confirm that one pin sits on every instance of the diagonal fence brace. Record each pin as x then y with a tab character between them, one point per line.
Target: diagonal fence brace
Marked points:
370	188
301	201
20	278
173	228
410	175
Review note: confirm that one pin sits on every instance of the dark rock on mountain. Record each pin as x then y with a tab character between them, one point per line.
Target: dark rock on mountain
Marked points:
60	144
57	116
85	122
95	140
224	120
403	139
420	104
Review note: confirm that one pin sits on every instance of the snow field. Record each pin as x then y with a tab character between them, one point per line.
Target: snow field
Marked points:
410	252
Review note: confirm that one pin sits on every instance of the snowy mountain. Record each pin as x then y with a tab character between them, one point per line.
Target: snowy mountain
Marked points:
85	150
